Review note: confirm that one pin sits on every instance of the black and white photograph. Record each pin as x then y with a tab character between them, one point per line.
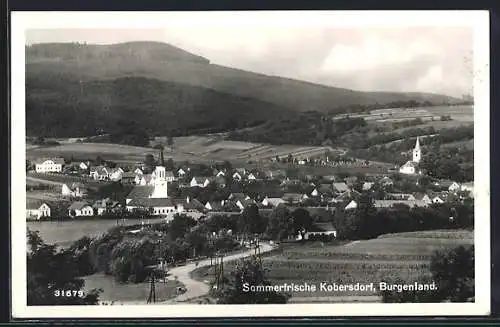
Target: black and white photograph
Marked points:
279	164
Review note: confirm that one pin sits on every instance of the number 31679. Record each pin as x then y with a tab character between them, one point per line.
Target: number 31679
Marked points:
69	293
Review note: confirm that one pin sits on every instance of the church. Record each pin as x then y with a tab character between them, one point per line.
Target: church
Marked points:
411	167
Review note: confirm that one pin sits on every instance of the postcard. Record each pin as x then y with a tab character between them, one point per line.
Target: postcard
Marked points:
250	164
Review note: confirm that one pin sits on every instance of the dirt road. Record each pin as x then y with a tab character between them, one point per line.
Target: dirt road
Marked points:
195	288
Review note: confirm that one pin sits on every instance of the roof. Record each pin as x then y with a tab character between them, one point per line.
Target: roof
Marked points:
237	196
274	201
57	161
322	227
78	205
215	205
140	192
193	204
292	196
34	205
147	177
341	187
151	202
200	178
104	203
100	170
245	203
409	164
367	186
129	174
169	173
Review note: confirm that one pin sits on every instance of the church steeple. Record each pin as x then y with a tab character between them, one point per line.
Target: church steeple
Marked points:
417	153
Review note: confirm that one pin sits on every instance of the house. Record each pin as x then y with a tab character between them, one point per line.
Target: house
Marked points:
272	202
242	204
214	206
138	171
293	197
80	209
330	178
274	174
251	177
315	193
237	176
105	205
54	165
454	187
181	172
140	192
36	210
199	182
219	173
84	165
438	199
391	203
115	174
386	181
157	206
220	181
340	187
469	187
302	162
129	177
238	196
409	168
99	173
75	190
146	179
320	229
193	205
367	186
400	196
350	181
351	205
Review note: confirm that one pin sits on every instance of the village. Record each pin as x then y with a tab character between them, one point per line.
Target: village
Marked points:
153	191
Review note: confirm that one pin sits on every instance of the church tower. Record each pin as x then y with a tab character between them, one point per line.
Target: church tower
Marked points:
160	183
417	153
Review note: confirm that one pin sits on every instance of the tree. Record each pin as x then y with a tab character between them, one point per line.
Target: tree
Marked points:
98	161
250	221
249	274
169	164
170	142
150	161
453	273
302	221
49	272
280	225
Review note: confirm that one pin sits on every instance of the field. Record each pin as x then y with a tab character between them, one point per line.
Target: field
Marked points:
463	114
391	256
191	148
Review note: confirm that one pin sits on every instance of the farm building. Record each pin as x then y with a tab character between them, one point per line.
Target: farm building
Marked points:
101	206
36	210
320	229
128	178
100	173
200	182
158	206
80	209
340	187
242	204
294	197
272	202
75	190
54	165
351	205
391	203
115	174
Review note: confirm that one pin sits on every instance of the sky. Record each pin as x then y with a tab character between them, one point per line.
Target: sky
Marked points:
412	59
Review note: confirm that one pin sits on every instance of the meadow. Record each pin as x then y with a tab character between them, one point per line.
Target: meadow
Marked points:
392	256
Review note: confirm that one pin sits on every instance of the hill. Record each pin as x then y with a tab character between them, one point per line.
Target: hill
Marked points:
62	106
167	63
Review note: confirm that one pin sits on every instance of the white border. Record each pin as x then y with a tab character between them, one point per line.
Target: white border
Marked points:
478	20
